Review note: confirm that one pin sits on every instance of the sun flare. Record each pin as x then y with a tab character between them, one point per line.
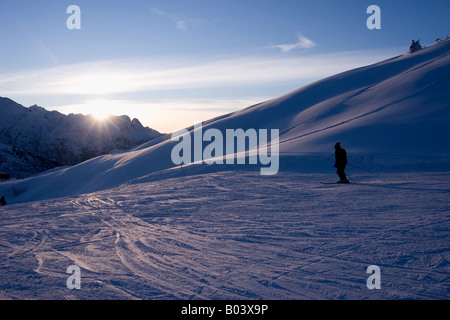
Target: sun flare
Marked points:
100	109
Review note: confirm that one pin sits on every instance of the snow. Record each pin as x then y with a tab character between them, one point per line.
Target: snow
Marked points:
140	227
235	235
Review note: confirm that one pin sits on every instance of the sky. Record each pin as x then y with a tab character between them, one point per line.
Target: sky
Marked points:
172	63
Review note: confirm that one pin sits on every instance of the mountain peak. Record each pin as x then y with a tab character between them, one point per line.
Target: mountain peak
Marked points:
35	107
61	139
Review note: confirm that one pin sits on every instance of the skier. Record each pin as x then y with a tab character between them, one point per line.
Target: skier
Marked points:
2	201
341	162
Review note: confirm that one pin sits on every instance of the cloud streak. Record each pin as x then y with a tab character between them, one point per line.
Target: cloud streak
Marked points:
180	22
121	76
168	94
302	43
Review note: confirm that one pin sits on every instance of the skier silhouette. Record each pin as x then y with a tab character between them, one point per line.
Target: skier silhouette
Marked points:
341	162
3	201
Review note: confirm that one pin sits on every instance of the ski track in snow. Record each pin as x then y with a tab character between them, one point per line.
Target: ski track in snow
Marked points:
234	235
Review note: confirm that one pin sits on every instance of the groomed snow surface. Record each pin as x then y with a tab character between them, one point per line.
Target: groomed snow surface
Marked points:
235	235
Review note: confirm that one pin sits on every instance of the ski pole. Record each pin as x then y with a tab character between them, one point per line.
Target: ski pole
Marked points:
352	179
358	167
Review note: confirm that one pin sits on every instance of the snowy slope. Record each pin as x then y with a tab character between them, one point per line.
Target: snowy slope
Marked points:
234	235
22	163
63	139
393	113
140	228
399	106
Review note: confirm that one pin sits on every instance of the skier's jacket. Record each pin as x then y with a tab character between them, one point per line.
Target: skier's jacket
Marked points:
341	158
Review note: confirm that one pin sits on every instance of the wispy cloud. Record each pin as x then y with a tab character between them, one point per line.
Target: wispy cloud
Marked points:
302	43
180	22
168	94
121	76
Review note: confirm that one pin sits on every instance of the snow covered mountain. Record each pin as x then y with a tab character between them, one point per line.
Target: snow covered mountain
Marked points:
36	140
139	227
391	114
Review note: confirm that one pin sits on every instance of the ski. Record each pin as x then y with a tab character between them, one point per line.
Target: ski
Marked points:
336	182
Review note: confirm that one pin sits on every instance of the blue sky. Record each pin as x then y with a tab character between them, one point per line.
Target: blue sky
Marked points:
170	63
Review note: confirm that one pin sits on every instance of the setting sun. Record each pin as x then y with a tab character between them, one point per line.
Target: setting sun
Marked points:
100	109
